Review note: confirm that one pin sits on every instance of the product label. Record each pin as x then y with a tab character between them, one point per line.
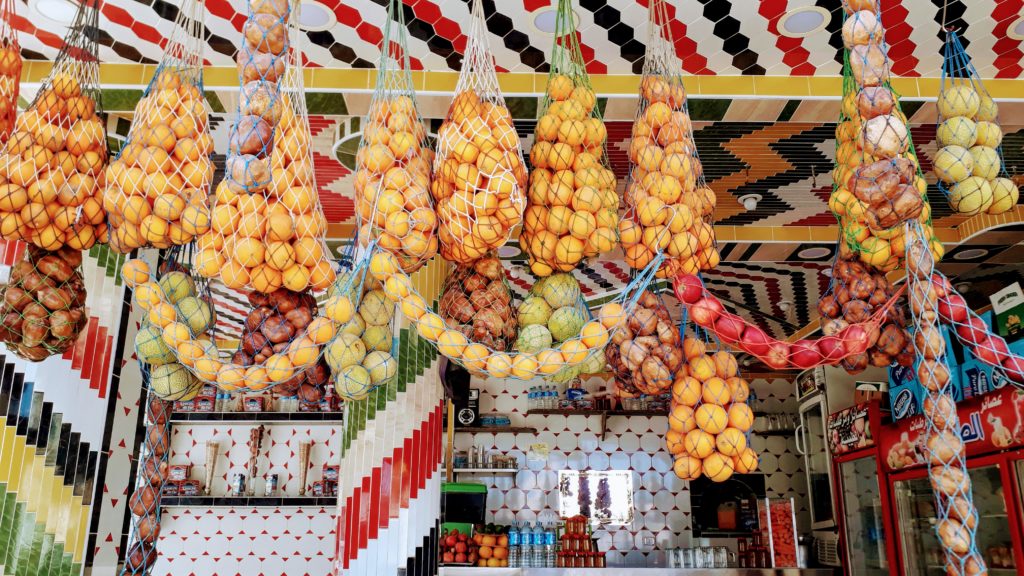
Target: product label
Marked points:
850	429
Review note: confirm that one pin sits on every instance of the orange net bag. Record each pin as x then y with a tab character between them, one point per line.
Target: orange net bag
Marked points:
160	182
10	70
52	167
479	173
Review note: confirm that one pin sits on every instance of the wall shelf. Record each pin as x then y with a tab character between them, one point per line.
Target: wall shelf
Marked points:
248	501
257	417
494	471
604	414
495	430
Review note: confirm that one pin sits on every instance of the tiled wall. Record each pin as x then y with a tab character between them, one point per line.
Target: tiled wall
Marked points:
634	443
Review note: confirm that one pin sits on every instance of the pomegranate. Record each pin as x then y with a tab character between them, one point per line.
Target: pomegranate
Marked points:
729	327
1013	366
992	350
688	288
953	308
754	341
855	339
777	356
706	310
805	354
831	349
972	331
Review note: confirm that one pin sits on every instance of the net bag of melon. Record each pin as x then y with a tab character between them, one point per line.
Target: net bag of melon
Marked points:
668	203
878	181
969	162
267	227
479	182
553	313
943	445
159	184
572	205
646	351
42	307
52	167
151	475
393	164
10	70
710	420
858	294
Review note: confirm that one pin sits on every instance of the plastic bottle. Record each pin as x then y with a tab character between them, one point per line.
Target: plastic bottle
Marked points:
513	545
531	403
549	546
538	546
526	546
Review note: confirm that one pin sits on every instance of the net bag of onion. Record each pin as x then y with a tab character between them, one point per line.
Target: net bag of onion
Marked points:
151	475
668	203
160	181
710	420
572	205
552	316
856	295
969	162
392	181
42	310
267	226
646	350
477	301
943	447
52	167
479	175
878	180
361	356
10	70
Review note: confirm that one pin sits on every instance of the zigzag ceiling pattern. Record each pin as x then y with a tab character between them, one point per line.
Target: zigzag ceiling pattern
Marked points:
711	36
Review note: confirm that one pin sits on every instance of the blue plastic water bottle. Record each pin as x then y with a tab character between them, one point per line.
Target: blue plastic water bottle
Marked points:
513	545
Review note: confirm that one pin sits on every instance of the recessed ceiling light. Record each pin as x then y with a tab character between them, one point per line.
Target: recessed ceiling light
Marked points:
749	201
546	19
1016	30
61	11
814	252
970	254
804	21
315	17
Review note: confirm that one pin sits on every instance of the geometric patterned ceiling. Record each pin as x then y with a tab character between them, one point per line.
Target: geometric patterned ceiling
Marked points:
713	37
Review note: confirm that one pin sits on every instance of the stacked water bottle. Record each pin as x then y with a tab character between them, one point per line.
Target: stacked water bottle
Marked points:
531	546
543	398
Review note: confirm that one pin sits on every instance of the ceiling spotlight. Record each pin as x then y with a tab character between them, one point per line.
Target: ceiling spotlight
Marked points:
60	11
785	305
804	21
750	201
1016	29
962	287
315	17
746	361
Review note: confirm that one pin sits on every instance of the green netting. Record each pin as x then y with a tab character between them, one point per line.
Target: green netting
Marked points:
572	205
668	203
479	175
878	180
42	308
969	162
392	179
159	185
52	167
10	70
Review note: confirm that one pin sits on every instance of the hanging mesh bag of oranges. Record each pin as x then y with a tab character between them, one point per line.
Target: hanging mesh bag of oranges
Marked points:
267	226
668	203
10	70
710	419
572	209
394	160
158	186
878	180
479	180
969	163
52	167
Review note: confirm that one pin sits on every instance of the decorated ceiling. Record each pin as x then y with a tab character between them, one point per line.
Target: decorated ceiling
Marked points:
712	37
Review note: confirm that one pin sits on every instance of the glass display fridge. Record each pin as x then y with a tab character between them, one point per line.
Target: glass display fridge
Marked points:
810	443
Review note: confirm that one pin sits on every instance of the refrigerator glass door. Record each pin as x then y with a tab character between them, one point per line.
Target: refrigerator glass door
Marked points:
816	456
915	509
865	531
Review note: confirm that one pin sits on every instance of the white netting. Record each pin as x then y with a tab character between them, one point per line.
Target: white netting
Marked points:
159	184
479	174
646	351
53	164
392	180
10	70
668	203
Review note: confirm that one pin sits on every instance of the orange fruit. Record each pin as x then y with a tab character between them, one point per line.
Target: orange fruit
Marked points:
686	391
687	467
711	418
698	443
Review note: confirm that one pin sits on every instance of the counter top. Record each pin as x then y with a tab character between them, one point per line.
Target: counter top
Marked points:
473	571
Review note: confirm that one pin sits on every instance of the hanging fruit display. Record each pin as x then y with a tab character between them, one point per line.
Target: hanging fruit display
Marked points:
159	184
969	163
144	502
479	174
645	353
668	203
572	209
360	357
10	71
393	164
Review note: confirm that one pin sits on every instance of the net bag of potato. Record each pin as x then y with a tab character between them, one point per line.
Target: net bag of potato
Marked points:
10	70
43	304
159	184
151	475
710	420
476	300
52	167
479	183
572	205
393	164
646	351
269	234
969	162
668	203
878	180
861	295
943	447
